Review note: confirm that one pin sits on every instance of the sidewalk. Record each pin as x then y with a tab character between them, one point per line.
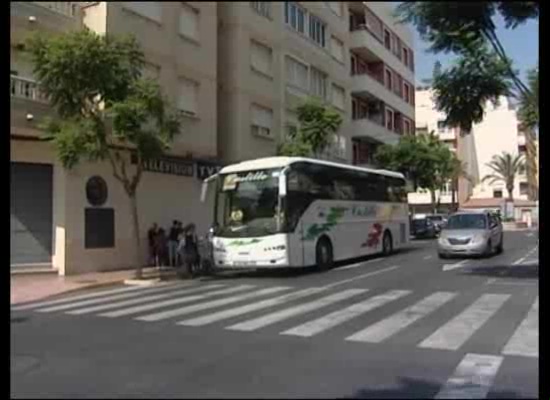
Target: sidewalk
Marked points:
32	287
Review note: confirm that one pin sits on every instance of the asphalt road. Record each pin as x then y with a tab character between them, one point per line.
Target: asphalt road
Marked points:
406	326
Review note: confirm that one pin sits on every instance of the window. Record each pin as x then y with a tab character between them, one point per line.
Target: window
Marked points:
148	9
187	101
317	30
497	194
189	22
337	48
261	57
523	188
387	39
441	126
297	73
407	127
339	146
405	56
336	7
389	83
295	16
406	92
318	83
338	97
261	121
262	7
389	119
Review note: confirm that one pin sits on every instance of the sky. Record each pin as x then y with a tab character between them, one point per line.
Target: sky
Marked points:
521	44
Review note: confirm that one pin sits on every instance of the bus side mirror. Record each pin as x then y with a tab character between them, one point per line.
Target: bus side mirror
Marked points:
282	184
204	191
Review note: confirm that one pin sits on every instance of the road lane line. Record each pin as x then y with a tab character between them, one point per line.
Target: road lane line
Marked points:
522	259
84	297
281	315
357	265
119	304
77	304
248	308
385	328
427	257
355	278
525	340
211	304
473	377
457	331
460	264
338	317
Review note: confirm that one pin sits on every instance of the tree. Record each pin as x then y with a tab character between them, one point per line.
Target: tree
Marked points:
317	128
483	70
422	158
505	168
105	110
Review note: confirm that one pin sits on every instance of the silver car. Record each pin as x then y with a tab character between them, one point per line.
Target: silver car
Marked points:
471	233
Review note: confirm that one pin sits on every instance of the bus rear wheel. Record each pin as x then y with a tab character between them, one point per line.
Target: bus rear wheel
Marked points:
324	258
387	244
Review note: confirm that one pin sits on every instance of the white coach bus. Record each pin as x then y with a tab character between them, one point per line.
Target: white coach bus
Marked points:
296	212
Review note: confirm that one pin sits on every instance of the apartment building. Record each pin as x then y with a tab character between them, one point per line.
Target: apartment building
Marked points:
236	71
54	223
351	55
498	132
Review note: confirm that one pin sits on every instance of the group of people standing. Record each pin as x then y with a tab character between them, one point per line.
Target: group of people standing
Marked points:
178	248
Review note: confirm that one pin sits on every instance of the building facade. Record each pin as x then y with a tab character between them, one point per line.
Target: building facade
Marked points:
498	132
236	71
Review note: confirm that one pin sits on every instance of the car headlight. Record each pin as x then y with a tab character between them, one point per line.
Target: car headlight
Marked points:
442	240
478	239
220	250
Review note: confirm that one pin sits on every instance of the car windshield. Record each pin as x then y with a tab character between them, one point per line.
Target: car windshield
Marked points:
419	223
467	221
248	204
435	218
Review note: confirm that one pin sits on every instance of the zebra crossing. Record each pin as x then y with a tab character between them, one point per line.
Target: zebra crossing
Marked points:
251	308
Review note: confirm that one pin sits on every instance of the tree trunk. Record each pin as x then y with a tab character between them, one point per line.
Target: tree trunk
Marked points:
135	225
453	196
510	190
434	202
531	164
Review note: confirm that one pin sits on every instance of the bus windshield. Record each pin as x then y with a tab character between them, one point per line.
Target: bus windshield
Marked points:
248	204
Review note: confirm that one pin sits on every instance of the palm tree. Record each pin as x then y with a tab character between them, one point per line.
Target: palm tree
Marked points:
505	168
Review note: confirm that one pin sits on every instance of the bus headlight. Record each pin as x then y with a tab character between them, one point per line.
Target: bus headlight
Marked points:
220	250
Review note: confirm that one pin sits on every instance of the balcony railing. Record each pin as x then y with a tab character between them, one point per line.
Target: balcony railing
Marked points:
23	88
67	8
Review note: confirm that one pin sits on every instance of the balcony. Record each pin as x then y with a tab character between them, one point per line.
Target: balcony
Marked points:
369	128
23	88
367	85
28	107
369	46
66	8
446	134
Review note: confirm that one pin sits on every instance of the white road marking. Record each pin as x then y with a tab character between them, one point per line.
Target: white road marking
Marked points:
248	308
211	304
338	317
525	340
83	297
516	283
427	257
387	327
522	259
138	300
357	265
148	290
278	316
457	331
355	278
449	267
472	379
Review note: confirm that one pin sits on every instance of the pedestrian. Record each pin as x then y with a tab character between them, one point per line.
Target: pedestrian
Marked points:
190	249
160	247
153	254
173	243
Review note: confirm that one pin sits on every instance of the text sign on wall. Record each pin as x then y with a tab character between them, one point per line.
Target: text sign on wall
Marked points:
205	170
169	166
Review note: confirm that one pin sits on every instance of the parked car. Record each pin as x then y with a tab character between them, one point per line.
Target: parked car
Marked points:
439	220
423	228
471	233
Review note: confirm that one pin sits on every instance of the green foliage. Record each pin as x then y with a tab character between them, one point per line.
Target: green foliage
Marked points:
505	169
318	125
529	103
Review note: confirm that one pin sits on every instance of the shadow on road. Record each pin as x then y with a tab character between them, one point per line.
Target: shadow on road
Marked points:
505	271
293	272
411	388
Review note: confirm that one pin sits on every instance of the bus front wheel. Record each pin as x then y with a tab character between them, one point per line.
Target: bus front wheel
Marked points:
387	244
324	258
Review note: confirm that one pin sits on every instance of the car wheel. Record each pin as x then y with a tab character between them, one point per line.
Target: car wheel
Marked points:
387	244
443	256
489	249
500	247
324	258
